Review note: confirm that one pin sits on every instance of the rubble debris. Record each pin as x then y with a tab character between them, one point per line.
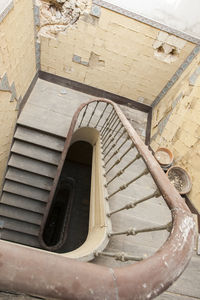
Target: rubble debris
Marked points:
59	15
176	180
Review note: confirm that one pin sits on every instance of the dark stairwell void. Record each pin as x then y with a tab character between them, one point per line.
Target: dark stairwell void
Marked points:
68	219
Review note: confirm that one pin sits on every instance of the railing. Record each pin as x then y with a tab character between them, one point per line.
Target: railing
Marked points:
55	276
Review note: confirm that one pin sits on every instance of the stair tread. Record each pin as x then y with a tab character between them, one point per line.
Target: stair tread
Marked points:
24	190
23	202
29	178
19	226
36	152
38	138
20	214
31	165
18	237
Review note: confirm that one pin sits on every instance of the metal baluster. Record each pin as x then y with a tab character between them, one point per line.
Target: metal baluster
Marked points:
107	127
101	115
113	138
107	119
124	142
119	159
104	142
119	256
110	123
115	143
124	186
133	204
83	116
122	171
92	114
133	231
107	132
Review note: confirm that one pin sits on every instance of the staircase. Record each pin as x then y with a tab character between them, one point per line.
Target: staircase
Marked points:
31	169
141	209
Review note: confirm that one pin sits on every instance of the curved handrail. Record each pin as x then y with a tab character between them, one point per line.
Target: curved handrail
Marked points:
51	275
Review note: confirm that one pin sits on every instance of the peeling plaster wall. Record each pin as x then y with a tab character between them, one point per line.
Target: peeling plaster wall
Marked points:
115	53
176	125
17	69
59	15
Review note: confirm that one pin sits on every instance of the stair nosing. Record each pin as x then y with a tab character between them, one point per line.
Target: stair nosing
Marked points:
40	188
18	242
40	130
23	195
14	218
32	143
2	203
50	163
11	165
4	227
22	207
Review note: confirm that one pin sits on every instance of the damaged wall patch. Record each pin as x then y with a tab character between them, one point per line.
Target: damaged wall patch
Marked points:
59	15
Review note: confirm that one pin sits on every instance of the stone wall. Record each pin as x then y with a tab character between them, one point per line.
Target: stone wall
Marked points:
176	125
17	69
107	50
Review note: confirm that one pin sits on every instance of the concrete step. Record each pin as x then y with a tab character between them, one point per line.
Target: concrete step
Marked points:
19	226
32	165
36	152
25	190
20	214
19	237
28	178
23	202
39	138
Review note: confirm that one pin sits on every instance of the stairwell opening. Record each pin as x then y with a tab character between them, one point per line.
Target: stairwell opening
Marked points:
68	220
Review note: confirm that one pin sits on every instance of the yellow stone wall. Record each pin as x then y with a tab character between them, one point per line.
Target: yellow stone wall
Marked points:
118	54
17	59
176	125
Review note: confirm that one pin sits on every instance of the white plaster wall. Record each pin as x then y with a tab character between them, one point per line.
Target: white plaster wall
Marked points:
4	4
183	15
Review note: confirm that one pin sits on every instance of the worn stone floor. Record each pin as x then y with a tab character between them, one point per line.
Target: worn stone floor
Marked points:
51	115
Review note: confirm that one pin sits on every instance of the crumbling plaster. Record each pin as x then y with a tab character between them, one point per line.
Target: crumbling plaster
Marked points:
168	47
59	15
